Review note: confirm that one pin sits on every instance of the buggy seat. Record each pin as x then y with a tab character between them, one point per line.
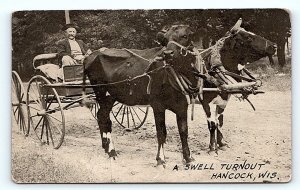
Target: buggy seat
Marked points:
49	65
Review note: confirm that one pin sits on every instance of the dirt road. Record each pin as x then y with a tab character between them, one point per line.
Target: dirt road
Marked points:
260	145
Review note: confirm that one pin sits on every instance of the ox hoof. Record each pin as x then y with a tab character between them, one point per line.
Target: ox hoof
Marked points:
161	163
187	163
212	150
161	166
189	160
223	146
112	154
213	147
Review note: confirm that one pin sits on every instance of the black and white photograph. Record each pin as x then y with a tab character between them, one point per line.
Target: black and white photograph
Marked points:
151	96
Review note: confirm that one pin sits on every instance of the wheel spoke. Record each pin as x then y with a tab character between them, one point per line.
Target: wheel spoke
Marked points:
15	90
47	130
18	118
117	103
50	102
54	118
132	118
53	110
128	125
123	114
33	107
35	99
50	132
34	116
141	110
37	96
34	91
43	128
17	108
46	99
23	122
39	91
58	129
137	115
22	96
21	119
38	123
119	110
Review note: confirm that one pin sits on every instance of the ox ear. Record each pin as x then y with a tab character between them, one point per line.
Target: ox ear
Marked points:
161	38
236	26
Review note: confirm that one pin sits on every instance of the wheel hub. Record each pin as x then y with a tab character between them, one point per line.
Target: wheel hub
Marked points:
41	112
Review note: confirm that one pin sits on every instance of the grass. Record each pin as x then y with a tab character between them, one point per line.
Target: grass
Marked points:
274	77
37	168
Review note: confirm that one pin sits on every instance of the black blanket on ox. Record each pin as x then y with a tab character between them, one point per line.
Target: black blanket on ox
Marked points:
120	64
114	65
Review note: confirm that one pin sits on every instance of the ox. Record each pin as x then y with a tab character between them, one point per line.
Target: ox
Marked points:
139	77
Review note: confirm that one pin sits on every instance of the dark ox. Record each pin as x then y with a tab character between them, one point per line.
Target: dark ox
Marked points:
158	88
237	48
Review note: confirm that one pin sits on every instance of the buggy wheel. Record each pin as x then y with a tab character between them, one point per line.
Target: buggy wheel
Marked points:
130	117
45	112
18	102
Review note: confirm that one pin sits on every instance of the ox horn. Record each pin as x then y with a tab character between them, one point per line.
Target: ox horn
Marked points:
237	25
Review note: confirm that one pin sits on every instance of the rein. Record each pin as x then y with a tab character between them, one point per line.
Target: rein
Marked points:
183	48
128	79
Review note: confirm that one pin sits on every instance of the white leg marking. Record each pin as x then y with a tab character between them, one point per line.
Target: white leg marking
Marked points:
111	144
161	153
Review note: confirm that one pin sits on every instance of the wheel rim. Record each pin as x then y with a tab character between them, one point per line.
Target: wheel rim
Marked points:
45	112
130	117
18	103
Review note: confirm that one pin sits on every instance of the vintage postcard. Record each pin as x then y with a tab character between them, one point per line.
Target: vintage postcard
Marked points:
151	96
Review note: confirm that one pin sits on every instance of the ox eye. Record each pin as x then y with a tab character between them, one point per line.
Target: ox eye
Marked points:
185	36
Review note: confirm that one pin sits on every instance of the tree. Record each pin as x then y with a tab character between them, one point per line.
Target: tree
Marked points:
35	32
32	34
275	25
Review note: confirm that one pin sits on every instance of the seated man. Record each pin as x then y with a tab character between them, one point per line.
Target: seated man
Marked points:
70	50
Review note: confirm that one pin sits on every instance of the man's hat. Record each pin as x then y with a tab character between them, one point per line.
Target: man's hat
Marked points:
71	25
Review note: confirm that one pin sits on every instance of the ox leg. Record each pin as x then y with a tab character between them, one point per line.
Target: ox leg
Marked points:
105	123
212	126
159	116
183	132
219	118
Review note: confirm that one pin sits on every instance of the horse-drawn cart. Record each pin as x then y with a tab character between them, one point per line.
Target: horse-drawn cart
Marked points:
50	92
54	89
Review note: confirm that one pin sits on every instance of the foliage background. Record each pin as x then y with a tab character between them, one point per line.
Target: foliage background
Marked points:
36	32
